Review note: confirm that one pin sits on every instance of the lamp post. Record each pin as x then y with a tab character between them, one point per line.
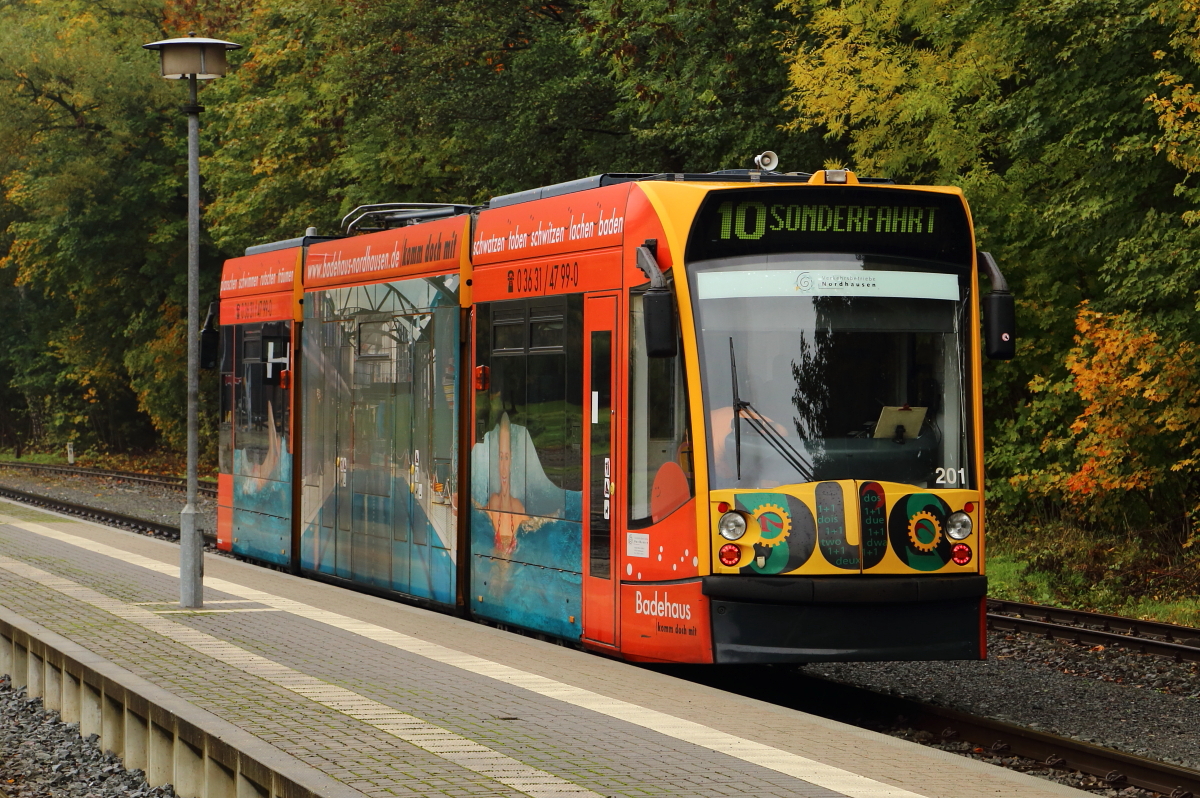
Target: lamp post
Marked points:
192	59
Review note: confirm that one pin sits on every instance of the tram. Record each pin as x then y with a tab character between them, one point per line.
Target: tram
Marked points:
696	418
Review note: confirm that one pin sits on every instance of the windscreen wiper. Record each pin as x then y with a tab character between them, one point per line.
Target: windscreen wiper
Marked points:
737	411
764	427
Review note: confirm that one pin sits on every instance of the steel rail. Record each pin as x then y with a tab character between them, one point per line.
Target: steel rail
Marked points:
865	708
96	514
1077	626
162	480
999	738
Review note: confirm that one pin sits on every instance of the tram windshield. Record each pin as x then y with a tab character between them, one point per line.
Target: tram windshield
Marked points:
840	366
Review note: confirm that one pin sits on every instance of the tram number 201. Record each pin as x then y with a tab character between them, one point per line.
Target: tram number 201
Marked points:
952	476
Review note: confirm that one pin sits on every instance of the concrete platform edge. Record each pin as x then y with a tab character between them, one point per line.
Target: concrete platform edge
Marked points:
149	728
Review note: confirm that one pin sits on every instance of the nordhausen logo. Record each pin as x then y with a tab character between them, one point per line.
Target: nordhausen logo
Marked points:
661	609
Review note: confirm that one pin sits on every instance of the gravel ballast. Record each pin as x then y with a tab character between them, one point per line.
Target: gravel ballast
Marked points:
1069	778
150	502
1141	704
42	757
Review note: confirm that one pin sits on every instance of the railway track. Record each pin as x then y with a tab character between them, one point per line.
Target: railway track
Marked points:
991	737
1089	628
99	515
854	704
161	480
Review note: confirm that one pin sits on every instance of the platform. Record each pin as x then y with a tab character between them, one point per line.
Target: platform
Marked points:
372	697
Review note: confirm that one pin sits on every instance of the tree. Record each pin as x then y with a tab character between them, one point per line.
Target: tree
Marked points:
94	205
1040	113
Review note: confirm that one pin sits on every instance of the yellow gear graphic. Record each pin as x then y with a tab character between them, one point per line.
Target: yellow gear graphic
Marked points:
782	514
933	524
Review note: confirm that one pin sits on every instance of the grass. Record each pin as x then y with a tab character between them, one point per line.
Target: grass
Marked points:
22	513
1079	569
160	462
42	458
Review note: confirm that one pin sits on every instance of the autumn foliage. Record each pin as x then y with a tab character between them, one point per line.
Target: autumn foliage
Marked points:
1073	127
1138	435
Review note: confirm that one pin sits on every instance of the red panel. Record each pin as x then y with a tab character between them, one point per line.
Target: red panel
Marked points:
591	219
272	307
582	271
260	274
665	623
225	512
432	247
600	592
642	223
664	551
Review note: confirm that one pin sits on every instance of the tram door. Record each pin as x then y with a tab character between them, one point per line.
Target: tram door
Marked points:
600	580
414	456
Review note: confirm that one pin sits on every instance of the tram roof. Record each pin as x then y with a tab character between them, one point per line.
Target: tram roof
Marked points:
596	181
291	243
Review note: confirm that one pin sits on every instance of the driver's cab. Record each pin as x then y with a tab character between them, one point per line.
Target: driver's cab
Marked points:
834	331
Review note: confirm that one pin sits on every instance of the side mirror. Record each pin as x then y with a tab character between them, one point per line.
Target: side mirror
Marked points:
999	313
658	306
210	342
1000	325
658	316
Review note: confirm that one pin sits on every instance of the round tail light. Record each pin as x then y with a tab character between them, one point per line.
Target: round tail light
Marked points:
960	554
729	555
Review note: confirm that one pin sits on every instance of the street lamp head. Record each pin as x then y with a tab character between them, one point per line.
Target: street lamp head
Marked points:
189	56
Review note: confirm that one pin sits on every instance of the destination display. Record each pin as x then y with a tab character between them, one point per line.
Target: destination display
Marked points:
871	221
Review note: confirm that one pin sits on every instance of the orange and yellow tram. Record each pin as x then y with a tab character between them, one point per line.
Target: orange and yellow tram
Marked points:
731	417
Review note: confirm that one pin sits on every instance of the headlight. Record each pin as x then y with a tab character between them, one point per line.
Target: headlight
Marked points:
732	526
958	526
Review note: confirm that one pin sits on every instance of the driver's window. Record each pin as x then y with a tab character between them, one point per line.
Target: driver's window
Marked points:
660	452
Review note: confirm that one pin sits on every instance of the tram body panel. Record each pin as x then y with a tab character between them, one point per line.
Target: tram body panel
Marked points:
527	511
657	458
257	311
666	622
674	206
546	277
381	381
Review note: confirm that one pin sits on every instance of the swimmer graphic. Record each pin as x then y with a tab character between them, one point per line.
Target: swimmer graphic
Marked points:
260	474
506	511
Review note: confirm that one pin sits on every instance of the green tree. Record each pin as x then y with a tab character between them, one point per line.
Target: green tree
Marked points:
417	100
1040	113
701	85
93	180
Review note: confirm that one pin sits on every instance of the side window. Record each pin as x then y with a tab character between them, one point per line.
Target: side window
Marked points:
375	355
660	449
532	407
228	382
260	402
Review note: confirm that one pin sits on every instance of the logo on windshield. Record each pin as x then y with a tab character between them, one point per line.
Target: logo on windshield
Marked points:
823	282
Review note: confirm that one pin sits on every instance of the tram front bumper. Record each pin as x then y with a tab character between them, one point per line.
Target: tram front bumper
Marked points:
846	619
